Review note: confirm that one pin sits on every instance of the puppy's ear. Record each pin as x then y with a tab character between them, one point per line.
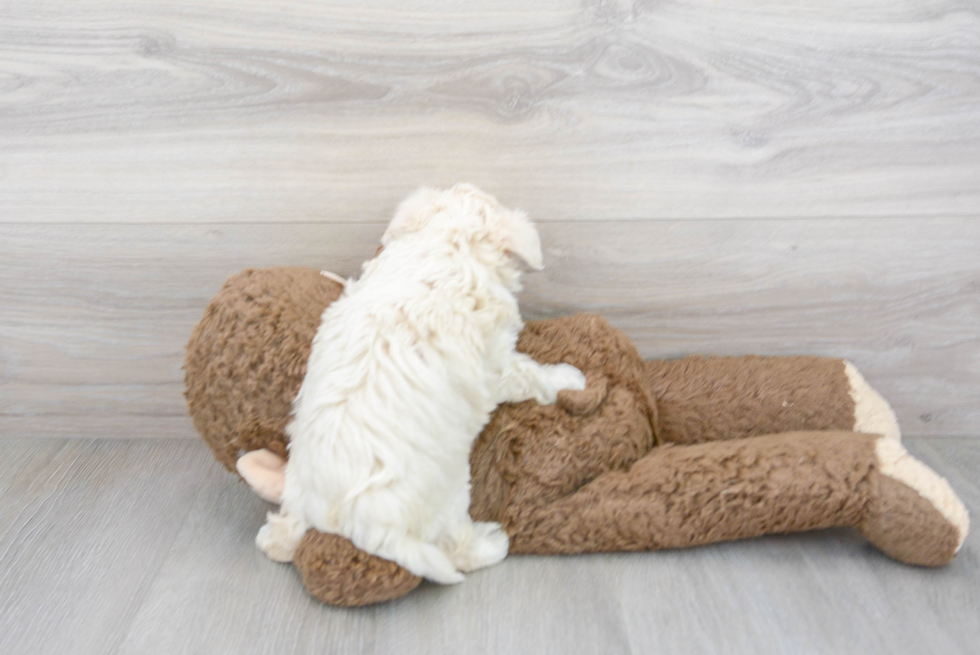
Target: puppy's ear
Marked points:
521	238
412	214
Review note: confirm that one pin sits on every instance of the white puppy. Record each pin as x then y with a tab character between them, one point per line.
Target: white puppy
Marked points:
406	368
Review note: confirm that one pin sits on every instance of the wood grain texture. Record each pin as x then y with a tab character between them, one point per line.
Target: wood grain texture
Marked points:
147	152
84	528
211	111
94	318
147	547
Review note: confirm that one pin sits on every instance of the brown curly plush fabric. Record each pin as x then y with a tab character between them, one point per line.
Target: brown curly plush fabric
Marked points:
686	496
531	454
247	357
337	573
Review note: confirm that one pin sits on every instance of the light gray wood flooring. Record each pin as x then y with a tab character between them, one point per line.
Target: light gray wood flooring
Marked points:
146	546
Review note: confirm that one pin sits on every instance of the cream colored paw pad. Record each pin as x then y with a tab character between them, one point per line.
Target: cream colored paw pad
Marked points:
872	413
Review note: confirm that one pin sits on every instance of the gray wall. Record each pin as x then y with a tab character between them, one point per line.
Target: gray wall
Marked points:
714	177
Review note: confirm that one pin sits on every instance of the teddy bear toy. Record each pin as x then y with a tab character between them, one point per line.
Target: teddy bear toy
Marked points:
651	455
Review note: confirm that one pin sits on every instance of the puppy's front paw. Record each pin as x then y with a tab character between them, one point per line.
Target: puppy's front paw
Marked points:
561	377
586	401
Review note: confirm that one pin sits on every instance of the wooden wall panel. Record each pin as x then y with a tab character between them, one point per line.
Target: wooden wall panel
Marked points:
211	111
93	318
733	177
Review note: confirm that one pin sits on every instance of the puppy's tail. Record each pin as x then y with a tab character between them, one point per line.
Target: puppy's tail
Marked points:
419	557
379	479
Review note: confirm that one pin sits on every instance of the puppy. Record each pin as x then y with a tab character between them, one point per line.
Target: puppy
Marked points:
405	370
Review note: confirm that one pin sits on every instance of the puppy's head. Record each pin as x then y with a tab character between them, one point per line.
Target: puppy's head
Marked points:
465	212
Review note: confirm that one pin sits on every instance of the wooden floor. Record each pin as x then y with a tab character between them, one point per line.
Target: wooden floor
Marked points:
146	546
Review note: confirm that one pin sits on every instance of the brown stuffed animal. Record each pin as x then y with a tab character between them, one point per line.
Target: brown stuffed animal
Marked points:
651	455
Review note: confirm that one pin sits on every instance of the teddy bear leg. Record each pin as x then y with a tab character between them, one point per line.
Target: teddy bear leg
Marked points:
718	398
680	496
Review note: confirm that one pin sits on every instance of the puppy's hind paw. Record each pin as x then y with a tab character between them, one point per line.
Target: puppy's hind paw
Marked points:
487	546
432	564
280	536
446	577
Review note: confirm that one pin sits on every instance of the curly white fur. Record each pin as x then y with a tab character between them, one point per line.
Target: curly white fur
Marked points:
406	368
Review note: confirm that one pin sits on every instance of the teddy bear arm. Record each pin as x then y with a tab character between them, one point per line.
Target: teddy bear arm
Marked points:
719	398
680	496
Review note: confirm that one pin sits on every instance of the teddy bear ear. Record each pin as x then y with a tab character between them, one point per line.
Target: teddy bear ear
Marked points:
521	238
412	214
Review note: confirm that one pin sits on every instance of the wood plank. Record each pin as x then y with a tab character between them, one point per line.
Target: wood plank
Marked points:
253	604
18	454
254	112
870	291
84	527
816	592
958	460
94	318
100	421
106	547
